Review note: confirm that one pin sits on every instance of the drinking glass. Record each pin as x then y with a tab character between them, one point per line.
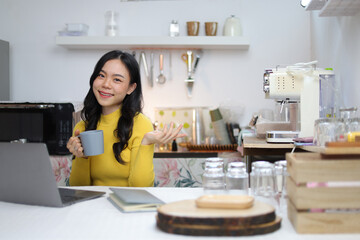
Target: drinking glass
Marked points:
329	130
237	179
353	125
263	184
252	175
348	112
281	175
264	179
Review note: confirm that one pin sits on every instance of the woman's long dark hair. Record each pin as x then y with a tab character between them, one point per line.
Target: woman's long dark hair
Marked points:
131	105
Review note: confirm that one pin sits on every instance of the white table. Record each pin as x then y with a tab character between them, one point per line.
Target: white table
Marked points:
99	219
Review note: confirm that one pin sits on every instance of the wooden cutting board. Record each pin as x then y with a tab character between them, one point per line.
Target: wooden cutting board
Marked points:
185	218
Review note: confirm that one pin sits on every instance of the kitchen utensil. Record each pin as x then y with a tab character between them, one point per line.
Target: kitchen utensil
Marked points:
161	78
151	69
184	57
170	66
143	61
190	80
198	131
196	63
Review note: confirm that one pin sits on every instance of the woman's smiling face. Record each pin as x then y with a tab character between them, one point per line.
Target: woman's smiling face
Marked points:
112	85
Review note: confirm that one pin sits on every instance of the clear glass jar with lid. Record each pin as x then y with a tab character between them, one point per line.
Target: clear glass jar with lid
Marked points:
213	179
237	178
348	112
329	130
174	28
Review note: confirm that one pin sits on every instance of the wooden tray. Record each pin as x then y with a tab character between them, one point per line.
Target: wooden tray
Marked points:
336	150
185	218
225	201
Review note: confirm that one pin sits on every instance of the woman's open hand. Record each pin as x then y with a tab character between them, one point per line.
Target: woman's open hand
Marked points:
166	135
74	145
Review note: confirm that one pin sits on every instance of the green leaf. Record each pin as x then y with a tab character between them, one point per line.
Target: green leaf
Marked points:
177	184
186	180
189	174
192	162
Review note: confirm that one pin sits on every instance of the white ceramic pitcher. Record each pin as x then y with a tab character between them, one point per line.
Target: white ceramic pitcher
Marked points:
232	26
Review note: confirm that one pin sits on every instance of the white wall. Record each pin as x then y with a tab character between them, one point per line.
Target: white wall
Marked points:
336	43
42	71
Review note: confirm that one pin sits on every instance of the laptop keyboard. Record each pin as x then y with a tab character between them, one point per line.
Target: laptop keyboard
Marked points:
71	195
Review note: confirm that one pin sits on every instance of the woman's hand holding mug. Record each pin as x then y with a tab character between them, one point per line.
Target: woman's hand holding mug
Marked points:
74	145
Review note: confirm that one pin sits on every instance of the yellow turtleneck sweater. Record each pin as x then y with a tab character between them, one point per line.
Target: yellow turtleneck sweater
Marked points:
104	169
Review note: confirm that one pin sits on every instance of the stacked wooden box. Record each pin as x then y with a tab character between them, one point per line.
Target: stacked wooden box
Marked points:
323	193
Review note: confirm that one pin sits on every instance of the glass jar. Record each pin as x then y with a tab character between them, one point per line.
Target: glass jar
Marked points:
254	166
237	179
353	125
329	130
213	179
281	175
174	28
347	113
264	180
111	23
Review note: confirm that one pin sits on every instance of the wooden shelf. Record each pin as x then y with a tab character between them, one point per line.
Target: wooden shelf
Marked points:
153	42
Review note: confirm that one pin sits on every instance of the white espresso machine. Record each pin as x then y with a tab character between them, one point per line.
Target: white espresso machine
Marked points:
312	87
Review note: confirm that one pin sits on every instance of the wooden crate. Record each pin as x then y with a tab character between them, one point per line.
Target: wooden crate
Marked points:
304	202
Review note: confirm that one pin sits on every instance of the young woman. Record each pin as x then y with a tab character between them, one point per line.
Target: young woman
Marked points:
113	104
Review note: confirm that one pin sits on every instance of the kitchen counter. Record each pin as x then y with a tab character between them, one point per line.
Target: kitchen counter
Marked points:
202	154
185	154
255	147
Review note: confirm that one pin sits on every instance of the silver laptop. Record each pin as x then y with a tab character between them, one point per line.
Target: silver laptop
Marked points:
26	177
